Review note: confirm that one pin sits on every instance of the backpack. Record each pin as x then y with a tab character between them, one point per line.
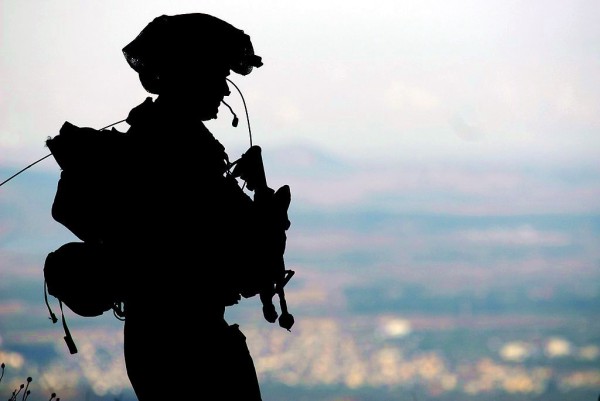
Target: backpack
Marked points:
77	273
81	274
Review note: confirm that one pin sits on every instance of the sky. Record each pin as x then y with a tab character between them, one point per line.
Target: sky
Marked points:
386	80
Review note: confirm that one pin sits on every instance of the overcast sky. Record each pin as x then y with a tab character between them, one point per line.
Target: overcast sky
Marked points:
402	80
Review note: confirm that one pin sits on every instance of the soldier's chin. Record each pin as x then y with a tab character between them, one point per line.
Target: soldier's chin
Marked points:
209	114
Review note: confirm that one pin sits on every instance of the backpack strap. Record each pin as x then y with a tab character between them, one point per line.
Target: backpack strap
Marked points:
68	338
52	315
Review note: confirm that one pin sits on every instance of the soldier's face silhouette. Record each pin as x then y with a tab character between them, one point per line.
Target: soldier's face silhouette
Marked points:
197	89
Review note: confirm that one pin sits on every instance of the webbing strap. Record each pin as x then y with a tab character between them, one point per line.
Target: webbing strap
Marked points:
68	338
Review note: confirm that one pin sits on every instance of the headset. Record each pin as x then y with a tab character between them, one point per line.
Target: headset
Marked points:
234	123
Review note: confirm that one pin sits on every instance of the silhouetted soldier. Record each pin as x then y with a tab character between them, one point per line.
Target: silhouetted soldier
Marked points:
190	223
177	235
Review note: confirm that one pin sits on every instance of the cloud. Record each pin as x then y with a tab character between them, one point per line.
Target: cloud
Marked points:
523	235
339	241
411	98
466	130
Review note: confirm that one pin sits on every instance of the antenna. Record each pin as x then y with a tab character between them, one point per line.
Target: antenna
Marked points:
48	155
16	174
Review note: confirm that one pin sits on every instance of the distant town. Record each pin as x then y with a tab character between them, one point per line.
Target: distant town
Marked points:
383	354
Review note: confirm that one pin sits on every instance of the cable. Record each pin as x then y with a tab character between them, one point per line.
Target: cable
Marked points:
48	155
245	108
16	174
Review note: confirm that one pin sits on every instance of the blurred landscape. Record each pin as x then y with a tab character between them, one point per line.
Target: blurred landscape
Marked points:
443	163
414	281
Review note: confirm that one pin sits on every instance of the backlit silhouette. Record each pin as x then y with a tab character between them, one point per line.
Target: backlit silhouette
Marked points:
169	238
